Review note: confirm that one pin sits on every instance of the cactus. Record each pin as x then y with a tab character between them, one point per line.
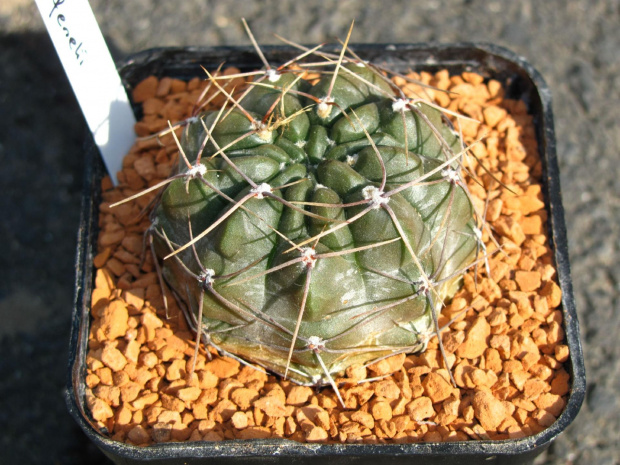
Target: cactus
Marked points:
316	225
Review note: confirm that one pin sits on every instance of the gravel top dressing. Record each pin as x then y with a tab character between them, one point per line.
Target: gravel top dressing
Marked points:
503	332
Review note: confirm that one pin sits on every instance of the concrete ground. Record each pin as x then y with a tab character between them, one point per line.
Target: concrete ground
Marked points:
575	44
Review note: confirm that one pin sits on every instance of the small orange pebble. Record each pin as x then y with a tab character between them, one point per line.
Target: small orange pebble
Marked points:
177	86
223	367
510	228
551	291
152	106
475	342
356	372
298	395
102	257
381	411
239	420
145	89
364	419
112	238
530	204
532	225
489	411
528	281
387	365
436	387
561	353
273	406
164	87
316	434
493	115
112	357
473	78
420	409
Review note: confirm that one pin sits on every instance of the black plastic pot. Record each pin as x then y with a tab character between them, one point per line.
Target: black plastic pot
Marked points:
521	81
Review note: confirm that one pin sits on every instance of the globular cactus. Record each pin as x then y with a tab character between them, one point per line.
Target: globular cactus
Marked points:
315	226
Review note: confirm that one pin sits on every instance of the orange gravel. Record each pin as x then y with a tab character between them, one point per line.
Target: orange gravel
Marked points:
506	352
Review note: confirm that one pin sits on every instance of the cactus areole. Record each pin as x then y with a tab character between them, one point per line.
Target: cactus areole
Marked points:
313	226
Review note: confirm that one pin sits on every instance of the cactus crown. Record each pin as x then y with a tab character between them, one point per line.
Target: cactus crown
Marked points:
315	225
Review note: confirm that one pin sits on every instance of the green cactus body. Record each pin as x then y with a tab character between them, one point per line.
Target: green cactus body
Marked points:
345	263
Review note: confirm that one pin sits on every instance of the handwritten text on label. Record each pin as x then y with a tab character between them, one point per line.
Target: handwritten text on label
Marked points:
72	42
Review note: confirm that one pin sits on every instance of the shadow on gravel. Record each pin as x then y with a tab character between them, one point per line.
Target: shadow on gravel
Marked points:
41	138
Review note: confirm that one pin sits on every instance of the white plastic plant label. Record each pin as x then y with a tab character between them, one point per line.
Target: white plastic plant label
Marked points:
88	64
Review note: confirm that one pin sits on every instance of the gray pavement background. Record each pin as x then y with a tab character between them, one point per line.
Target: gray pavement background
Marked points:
575	44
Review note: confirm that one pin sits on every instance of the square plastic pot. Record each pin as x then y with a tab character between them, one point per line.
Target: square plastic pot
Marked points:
521	81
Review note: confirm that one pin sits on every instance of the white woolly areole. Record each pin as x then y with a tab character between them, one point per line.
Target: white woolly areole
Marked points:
375	196
319	186
400	104
197	170
301	143
323	109
425	286
308	256
352	159
316	343
272	75
262	130
261	190
206	277
451	175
